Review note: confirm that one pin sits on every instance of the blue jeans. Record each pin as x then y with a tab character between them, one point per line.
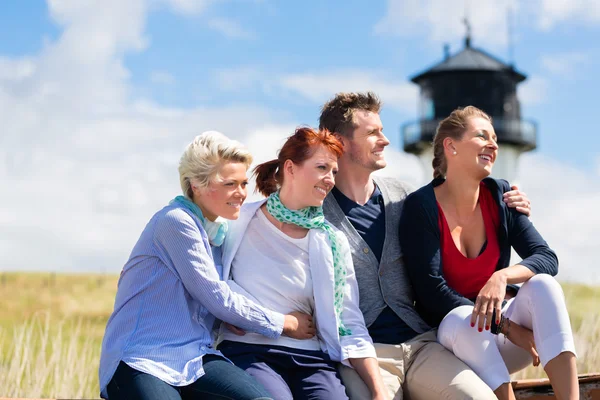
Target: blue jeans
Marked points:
221	381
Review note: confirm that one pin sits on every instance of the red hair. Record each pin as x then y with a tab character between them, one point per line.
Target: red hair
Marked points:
298	148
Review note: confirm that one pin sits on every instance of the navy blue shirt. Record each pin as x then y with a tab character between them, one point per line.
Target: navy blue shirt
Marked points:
369	222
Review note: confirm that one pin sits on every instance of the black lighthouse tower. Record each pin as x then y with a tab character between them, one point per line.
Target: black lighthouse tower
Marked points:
472	77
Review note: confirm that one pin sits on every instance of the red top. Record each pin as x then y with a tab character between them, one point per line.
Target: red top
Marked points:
468	275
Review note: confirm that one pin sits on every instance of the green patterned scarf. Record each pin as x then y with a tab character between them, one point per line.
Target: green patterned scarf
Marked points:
313	218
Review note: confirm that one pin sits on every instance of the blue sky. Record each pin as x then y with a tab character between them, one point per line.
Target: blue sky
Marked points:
98	98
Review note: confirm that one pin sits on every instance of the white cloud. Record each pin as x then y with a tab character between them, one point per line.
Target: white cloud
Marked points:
564	209
162	78
553	12
83	164
186	7
566	64
533	91
440	20
318	87
230	28
403	166
15	70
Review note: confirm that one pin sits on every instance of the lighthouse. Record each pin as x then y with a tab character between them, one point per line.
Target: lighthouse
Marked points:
471	77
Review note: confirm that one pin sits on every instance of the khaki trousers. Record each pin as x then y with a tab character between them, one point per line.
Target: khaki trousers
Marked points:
420	369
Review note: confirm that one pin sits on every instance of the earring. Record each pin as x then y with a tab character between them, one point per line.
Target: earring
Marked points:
454	152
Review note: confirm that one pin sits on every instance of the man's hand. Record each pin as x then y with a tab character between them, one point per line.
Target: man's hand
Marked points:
298	325
518	200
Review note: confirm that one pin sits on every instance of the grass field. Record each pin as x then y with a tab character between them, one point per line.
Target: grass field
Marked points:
51	328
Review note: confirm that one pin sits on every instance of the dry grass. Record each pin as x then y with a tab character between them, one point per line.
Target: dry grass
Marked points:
51	329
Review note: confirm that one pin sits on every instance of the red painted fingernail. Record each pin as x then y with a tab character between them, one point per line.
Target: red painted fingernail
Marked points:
480	329
472	324
487	328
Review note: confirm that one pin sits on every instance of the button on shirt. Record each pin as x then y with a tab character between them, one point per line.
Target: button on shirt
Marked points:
170	293
369	222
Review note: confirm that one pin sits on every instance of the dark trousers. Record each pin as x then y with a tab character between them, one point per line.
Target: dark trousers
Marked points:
287	373
221	381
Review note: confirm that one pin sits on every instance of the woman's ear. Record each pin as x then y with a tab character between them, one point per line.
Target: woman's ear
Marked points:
195	189
449	145
288	167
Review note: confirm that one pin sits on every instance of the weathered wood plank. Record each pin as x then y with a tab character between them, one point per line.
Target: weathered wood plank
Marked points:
540	389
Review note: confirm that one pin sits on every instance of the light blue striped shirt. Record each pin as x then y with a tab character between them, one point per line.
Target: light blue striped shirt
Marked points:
169	293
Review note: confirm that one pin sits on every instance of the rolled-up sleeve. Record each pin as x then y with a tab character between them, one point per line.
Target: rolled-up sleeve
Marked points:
180	239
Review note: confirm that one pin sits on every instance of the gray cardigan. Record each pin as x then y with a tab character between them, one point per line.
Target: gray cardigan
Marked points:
384	283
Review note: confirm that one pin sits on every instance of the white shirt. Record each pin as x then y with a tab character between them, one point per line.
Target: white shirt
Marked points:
273	268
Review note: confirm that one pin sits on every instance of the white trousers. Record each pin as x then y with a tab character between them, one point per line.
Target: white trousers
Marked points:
539	306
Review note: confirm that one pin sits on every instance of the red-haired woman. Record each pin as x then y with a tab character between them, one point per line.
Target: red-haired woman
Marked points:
286	256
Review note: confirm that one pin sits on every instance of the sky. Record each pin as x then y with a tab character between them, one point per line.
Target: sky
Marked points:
98	99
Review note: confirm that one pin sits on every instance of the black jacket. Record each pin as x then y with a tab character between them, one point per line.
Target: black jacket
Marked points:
420	243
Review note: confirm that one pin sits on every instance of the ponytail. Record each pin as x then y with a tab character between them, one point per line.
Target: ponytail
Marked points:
439	161
267	177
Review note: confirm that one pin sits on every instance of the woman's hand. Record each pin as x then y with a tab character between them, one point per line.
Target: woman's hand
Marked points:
368	369
235	329
523	338
490	298
298	325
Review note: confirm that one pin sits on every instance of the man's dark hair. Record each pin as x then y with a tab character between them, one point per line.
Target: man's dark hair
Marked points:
337	115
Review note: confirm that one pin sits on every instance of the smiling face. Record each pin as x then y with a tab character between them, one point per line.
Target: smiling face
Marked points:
224	196
365	148
313	179
477	150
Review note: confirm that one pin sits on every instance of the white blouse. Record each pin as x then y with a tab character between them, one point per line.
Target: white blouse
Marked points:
273	268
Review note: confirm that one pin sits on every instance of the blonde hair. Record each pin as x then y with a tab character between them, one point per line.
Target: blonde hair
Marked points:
202	159
453	126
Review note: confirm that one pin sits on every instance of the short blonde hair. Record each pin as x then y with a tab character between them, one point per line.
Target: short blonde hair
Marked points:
202	159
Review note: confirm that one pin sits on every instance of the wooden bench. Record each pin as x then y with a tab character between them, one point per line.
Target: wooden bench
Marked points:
540	389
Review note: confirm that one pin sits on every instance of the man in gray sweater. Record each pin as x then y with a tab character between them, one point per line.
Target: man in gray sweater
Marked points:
367	209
